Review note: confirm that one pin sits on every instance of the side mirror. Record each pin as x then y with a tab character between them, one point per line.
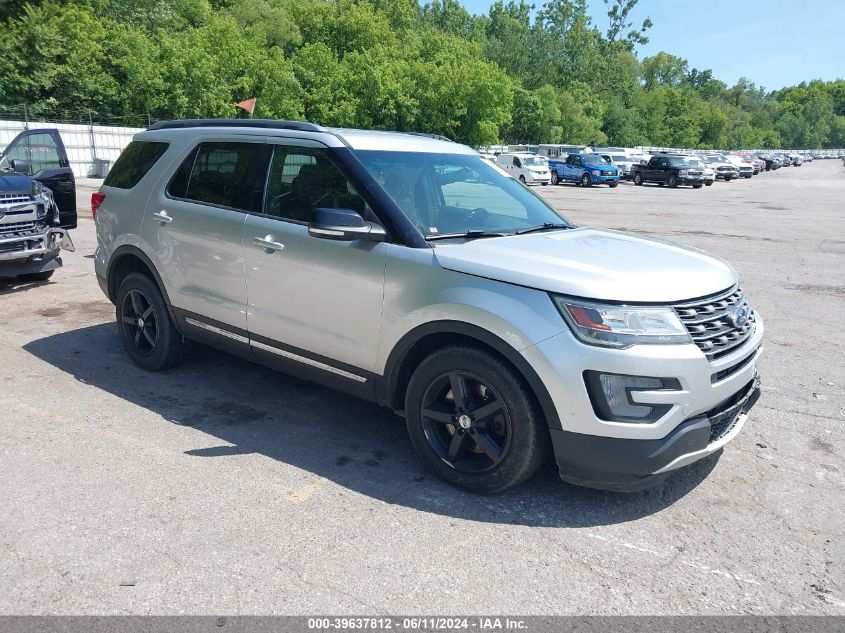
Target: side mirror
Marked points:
19	166
344	225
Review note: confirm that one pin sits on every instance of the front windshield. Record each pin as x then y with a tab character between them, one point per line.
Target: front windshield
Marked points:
534	161
456	193
593	158
678	161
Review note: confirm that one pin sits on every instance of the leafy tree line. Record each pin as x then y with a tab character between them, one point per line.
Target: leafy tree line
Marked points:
516	74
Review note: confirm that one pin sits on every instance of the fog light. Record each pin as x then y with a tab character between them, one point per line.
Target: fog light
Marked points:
616	389
611	396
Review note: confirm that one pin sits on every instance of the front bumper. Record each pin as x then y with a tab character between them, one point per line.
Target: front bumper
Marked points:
32	251
632	465
690	180
627	455
604	178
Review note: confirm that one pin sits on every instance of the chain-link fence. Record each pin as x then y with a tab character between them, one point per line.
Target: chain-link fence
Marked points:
93	141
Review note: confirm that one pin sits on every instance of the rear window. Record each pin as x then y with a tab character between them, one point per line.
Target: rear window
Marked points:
225	174
133	163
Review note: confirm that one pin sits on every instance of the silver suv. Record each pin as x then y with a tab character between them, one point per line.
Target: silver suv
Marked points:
407	270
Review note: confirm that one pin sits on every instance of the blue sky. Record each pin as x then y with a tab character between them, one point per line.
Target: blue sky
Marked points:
774	43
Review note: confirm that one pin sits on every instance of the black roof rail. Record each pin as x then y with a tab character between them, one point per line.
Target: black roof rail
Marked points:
300	126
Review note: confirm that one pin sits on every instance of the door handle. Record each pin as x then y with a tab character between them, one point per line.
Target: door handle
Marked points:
163	217
268	242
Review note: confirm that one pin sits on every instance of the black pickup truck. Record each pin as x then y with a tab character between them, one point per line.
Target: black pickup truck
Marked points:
668	170
37	205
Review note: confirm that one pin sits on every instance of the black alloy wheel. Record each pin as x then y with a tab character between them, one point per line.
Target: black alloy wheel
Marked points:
466	422
146	329
473	420
139	322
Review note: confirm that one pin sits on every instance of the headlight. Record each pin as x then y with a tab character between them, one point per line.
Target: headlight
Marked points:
683	172
596	172
622	326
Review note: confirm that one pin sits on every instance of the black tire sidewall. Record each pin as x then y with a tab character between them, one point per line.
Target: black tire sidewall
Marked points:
169	343
529	444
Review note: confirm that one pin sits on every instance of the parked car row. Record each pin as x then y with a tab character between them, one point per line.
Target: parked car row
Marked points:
586	167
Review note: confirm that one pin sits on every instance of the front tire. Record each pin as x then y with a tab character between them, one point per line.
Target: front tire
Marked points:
586	181
673	181
473	421
522	179
708	183
638	180
613	185
146	329
696	186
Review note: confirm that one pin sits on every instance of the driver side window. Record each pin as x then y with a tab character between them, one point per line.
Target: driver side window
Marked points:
303	179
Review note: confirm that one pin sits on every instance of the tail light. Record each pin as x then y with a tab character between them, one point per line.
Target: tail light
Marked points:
96	200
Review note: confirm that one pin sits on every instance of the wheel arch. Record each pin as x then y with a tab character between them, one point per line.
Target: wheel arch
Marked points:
425	339
129	259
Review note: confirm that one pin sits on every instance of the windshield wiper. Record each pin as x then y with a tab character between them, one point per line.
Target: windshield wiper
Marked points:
548	226
466	234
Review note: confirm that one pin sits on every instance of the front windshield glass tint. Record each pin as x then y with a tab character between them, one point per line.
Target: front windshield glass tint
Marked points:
619	158
678	161
455	193
534	161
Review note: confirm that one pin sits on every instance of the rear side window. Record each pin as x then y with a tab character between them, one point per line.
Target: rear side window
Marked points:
133	163
223	174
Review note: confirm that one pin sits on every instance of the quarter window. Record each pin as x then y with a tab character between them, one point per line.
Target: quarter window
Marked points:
224	174
133	163
304	179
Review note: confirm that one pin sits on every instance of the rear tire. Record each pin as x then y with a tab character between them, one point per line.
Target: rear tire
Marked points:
488	438
555	179
146	330
696	186
708	183
522	179
42	276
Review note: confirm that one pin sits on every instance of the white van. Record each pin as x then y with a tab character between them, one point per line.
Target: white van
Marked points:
529	169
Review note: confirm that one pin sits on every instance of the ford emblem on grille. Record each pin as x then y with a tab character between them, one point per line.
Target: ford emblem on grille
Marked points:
738	316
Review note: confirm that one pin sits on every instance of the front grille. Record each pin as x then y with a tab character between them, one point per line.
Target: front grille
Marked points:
14	198
12	247
692	172
715	323
724	417
14	227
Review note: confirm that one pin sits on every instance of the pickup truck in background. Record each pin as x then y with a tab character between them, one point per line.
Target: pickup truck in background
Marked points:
586	170
670	171
37	205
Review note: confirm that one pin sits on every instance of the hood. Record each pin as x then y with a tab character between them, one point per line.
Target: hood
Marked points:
15	183
593	263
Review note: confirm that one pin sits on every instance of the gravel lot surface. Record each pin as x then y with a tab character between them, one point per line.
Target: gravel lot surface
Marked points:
222	487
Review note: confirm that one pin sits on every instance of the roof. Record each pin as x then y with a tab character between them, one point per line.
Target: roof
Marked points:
352	138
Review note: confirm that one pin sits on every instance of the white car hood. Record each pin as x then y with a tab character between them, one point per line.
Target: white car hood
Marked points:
593	263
